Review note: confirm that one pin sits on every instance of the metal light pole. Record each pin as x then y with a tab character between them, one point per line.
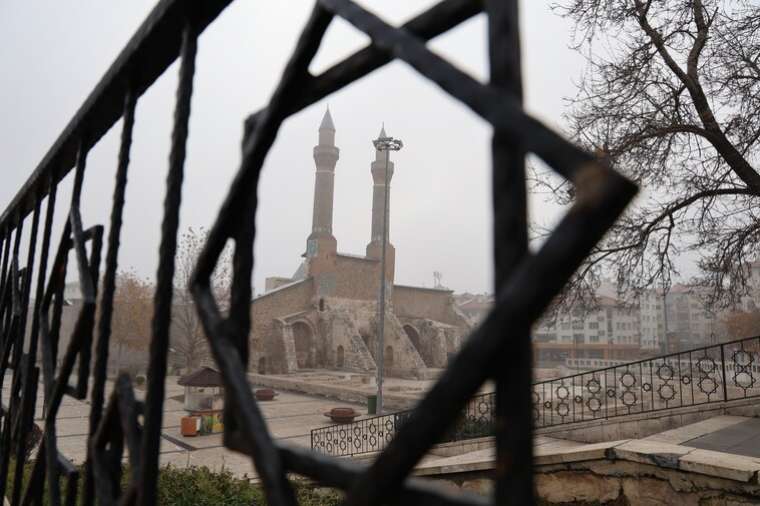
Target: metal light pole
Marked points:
386	144
665	317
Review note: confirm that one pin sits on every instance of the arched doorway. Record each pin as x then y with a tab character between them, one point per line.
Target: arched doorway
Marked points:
304	341
262	365
414	337
424	351
340	358
388	357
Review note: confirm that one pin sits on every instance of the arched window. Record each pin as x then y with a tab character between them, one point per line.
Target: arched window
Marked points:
340	358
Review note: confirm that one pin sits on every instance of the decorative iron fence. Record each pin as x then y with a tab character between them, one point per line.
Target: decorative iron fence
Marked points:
525	282
373	434
718	373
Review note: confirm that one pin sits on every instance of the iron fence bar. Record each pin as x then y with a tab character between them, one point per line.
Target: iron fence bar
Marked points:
10	340
4	242
7	266
723	371
109	286
680	380
42	270
340	474
29	397
159	344
29	379
15	255
513	420
691	375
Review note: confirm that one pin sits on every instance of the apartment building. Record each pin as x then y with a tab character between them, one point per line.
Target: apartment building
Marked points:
609	331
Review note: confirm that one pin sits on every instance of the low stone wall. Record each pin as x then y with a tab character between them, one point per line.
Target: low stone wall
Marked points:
459	447
622	473
392	401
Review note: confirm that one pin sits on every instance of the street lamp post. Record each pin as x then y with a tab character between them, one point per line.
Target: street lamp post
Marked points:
387	144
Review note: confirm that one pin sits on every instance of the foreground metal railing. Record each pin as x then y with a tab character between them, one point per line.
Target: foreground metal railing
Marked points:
718	373
370	435
499	350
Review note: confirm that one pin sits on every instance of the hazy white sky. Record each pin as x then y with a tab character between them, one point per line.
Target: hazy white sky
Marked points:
53	53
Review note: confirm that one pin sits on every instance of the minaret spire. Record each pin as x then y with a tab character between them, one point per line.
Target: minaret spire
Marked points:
326	156
379	177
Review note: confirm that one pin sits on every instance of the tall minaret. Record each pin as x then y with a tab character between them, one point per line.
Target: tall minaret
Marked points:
374	248
321	240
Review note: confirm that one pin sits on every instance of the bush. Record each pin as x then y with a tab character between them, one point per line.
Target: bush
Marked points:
200	486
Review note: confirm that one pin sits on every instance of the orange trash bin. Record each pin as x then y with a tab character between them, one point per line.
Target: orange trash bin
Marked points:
189	426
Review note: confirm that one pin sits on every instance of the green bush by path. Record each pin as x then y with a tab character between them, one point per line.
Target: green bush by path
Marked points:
200	486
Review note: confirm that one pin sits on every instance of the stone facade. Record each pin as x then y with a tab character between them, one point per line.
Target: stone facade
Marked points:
325	315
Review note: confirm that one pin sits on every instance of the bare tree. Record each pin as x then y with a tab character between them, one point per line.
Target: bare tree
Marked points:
671	97
132	313
740	324
188	338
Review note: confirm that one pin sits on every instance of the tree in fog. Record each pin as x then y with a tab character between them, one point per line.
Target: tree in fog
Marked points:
132	313
741	324
670	97
188	338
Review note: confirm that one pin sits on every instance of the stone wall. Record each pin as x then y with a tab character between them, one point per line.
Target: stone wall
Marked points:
268	338
434	341
433	304
356	278
631	473
406	361
275	282
345	343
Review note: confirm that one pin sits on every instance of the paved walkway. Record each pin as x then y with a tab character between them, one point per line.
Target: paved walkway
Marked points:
740	439
290	418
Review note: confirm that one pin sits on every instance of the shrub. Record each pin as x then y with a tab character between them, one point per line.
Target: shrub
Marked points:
200	486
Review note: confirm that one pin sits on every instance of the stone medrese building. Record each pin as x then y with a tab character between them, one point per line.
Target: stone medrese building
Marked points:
325	315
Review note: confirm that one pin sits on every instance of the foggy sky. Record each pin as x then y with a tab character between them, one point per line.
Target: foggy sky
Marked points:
54	52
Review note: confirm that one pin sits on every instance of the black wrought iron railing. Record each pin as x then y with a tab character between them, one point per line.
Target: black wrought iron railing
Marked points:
372	434
524	282
718	373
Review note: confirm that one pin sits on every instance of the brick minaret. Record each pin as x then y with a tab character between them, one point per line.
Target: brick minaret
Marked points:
374	248
321	245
